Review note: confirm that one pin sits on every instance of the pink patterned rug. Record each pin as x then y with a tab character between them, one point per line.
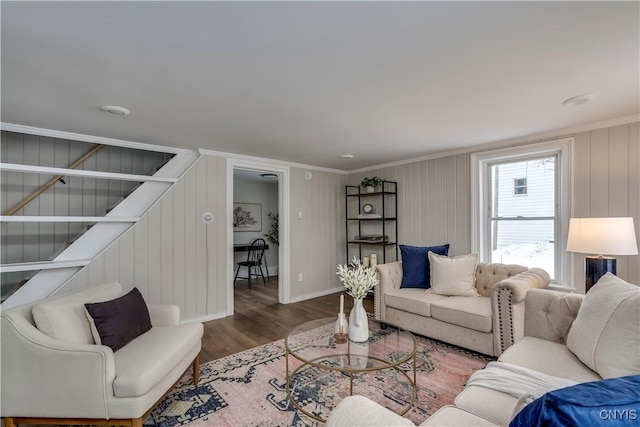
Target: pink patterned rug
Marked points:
248	388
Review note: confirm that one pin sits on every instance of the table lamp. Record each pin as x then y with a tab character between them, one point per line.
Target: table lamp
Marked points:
601	236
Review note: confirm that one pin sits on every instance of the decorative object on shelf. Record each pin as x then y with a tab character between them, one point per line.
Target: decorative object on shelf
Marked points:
273	234
369	216
365	261
601	236
371	183
247	217
373	260
358	280
342	326
376	230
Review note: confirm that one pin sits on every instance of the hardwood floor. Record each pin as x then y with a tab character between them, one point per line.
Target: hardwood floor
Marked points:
260	319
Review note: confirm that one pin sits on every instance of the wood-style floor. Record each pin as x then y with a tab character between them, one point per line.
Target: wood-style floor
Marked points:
260	319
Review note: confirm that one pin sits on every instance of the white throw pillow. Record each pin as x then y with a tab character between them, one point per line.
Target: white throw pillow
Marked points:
453	275
63	318
606	333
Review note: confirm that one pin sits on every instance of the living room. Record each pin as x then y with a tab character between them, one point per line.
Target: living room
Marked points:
416	93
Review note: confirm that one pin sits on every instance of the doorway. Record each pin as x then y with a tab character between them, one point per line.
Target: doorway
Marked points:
255	216
261	192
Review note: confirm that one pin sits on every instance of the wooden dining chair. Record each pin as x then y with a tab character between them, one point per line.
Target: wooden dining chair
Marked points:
255	258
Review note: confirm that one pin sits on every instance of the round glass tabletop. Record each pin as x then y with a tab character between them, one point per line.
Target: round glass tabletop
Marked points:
314	343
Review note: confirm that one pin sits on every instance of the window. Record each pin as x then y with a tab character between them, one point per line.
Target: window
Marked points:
520	186
512	229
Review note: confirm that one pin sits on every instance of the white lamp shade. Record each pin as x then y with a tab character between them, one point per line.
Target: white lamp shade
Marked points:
602	236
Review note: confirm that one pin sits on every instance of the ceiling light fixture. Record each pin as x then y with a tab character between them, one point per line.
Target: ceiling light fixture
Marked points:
269	176
346	156
579	100
115	110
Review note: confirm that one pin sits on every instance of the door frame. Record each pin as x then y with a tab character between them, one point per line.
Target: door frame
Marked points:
283	173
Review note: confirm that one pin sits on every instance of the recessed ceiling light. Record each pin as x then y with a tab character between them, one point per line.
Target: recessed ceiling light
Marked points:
346	156
115	110
269	176
579	100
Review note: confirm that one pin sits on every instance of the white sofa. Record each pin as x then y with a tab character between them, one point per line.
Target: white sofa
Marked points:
71	380
488	323
565	337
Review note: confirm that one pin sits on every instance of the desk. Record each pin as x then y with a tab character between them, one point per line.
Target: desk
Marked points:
244	247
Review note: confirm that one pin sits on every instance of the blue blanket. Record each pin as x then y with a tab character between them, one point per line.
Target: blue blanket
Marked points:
612	402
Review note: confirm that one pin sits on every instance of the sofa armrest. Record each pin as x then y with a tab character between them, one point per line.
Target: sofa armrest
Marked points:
44	377
360	411
390	278
507	304
550	314
164	315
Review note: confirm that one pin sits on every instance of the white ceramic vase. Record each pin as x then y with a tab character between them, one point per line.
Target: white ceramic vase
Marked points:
358	323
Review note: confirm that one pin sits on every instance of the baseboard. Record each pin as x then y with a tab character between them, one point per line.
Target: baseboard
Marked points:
214	316
318	294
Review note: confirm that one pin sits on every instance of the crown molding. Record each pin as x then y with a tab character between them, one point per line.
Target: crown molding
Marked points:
528	139
11	127
268	162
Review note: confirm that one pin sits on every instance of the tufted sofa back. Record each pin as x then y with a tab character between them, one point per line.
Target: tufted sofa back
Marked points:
488	274
550	314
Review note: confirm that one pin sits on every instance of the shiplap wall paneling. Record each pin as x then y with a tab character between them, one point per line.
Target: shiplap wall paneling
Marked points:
189	281
606	184
171	255
634	195
317	240
217	233
77	196
433	201
301	254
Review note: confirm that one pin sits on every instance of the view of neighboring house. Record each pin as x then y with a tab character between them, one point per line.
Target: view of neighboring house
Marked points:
523	203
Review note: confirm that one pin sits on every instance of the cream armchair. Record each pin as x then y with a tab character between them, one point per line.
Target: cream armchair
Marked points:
50	381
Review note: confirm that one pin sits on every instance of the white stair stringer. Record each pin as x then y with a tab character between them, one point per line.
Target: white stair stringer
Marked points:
101	235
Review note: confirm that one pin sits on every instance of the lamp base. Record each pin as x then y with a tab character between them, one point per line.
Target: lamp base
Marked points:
595	268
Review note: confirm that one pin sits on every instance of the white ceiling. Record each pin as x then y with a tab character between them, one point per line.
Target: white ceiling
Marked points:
308	81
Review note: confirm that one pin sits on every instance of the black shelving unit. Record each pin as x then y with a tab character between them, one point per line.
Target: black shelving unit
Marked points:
376	232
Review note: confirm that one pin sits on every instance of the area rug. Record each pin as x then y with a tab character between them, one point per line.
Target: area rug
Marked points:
248	388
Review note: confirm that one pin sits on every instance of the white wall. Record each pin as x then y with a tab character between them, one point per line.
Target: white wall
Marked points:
318	238
165	253
434	197
171	255
248	190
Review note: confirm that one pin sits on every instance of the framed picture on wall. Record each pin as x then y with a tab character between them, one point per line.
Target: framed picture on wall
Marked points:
247	217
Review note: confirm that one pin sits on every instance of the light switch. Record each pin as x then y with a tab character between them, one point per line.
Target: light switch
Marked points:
299	214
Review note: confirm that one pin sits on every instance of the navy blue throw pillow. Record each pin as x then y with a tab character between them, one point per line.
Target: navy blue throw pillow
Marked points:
611	402
415	265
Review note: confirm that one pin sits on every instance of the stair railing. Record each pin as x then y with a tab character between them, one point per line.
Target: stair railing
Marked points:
52	181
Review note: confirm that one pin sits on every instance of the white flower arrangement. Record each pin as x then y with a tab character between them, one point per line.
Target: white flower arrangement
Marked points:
358	279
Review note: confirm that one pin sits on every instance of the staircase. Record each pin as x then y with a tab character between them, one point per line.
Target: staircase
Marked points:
110	204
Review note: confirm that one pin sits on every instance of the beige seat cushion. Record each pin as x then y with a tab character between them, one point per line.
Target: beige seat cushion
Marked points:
63	317
146	360
452	416
412	300
550	358
474	399
469	312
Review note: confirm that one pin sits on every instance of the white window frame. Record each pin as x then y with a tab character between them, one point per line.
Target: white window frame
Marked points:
480	163
521	186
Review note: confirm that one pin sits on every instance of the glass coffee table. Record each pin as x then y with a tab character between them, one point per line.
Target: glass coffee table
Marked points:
324	371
